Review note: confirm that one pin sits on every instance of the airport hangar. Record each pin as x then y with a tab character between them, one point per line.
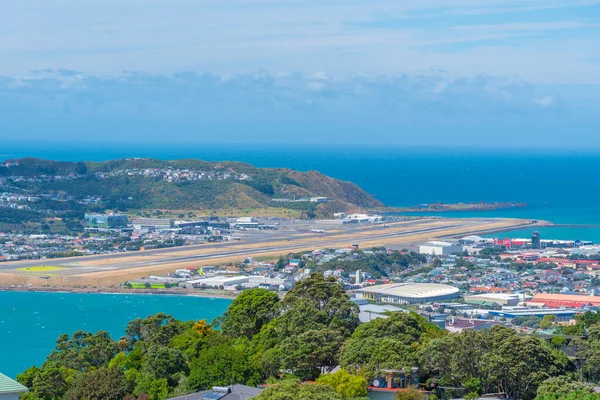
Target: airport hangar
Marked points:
407	293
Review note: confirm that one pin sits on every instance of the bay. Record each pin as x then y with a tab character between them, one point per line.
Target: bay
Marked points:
30	322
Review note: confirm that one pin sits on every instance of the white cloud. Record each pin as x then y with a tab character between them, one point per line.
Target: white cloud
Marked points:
106	37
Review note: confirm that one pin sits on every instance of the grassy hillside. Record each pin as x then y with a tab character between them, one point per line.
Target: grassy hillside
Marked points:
183	184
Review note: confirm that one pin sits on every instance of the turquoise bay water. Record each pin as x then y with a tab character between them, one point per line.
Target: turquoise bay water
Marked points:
31	322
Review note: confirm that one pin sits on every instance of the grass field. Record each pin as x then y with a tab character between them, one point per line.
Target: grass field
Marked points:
142	286
41	268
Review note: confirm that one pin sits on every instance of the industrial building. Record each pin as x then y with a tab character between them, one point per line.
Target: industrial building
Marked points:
105	221
369	312
405	293
219	280
565	300
509	313
152	224
246	223
440	248
503	299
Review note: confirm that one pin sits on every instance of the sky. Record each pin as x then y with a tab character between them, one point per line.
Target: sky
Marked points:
413	72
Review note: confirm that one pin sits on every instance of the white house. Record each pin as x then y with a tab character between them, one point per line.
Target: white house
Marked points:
10	389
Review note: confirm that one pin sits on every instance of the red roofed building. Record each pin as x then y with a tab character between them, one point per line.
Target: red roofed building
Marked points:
565	300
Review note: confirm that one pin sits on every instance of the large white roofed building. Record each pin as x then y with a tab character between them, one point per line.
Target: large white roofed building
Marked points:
403	293
440	248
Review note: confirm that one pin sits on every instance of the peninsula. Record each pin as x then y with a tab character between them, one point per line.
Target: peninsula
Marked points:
444	207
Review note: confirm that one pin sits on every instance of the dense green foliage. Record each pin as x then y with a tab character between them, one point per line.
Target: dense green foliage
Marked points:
304	336
122	191
293	390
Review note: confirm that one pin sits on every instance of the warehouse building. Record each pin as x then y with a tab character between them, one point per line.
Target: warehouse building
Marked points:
440	248
487	299
566	300
407	293
152	224
219	280
509	313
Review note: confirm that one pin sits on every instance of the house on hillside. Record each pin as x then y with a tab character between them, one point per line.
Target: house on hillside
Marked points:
10	389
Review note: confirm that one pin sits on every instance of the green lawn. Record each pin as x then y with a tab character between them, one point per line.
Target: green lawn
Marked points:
143	286
41	268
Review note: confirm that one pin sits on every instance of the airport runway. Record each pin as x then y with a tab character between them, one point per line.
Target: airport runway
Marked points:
293	237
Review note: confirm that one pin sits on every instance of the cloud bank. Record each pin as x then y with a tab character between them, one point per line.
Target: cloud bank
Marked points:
290	107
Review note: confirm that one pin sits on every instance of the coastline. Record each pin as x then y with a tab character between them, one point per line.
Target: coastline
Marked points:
164	292
443	207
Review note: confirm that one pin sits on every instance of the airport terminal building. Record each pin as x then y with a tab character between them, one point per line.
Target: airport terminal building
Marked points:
408	293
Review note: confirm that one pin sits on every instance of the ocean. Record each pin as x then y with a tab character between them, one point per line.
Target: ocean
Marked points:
30	322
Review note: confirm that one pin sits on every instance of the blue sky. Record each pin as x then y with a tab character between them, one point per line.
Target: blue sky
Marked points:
465	72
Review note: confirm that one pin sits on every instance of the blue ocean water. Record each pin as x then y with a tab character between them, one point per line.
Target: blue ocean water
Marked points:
30	322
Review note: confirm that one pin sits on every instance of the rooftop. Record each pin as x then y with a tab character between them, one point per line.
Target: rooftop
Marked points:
441	244
413	290
236	392
8	385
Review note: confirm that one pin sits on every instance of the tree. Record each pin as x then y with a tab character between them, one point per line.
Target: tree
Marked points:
293	390
164	362
52	381
410	394
386	343
562	385
156	329
222	365
99	384
247	314
547	321
344	383
317	302
311	352
83	350
520	364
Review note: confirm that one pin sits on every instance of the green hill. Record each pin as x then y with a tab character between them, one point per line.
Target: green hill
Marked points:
186	184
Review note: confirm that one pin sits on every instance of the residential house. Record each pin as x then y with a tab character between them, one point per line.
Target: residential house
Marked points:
10	389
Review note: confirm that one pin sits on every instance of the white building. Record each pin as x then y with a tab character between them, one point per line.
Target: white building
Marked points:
440	248
503	299
246	223
407	293
10	389
152	224
219	280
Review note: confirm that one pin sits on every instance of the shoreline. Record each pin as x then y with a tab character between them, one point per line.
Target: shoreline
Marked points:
163	292
454	207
